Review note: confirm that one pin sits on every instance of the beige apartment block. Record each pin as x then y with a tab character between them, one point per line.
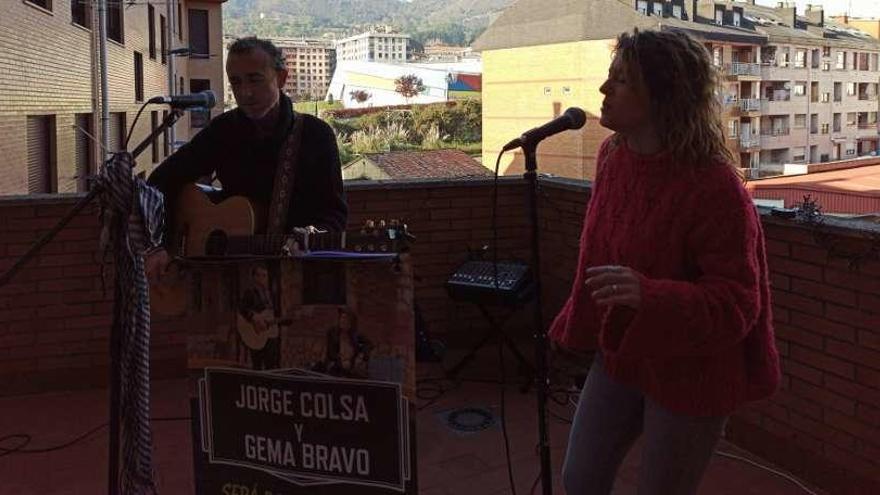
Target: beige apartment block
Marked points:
50	84
375	45
310	66
794	88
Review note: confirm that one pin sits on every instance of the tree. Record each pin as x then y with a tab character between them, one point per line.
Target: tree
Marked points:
360	95
408	86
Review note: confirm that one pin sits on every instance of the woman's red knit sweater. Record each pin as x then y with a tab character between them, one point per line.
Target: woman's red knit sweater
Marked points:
702	342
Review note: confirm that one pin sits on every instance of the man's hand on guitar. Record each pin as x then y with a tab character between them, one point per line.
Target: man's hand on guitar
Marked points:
156	265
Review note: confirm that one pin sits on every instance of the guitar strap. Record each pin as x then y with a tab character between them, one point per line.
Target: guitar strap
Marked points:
284	176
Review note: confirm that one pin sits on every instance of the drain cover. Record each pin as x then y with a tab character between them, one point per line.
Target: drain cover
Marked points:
470	419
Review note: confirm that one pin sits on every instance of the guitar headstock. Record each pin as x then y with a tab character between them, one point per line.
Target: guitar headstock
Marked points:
380	236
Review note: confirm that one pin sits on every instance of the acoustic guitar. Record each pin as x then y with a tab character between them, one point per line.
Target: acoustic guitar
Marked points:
202	227
255	339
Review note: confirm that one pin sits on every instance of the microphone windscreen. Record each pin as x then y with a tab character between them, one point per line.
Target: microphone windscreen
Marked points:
577	117
210	98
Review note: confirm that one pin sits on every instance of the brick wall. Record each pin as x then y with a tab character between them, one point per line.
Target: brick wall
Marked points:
54	318
825	422
823	425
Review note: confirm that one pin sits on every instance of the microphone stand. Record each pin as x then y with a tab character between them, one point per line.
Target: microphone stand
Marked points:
540	335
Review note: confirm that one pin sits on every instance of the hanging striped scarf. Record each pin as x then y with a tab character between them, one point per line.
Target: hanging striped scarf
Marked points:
132	214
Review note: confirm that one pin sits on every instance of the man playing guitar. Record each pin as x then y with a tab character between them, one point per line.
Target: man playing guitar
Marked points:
243	148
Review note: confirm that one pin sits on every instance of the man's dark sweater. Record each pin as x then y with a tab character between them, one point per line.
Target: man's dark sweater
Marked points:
246	162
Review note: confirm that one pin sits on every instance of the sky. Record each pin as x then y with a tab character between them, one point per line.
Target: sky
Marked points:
856	8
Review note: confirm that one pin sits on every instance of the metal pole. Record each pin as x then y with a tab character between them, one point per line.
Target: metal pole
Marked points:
105	97
169	37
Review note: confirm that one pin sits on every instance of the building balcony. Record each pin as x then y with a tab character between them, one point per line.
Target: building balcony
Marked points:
867	97
55	319
750	105
749	142
776	131
737	69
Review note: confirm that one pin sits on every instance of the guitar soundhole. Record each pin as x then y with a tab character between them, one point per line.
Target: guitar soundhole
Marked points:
217	243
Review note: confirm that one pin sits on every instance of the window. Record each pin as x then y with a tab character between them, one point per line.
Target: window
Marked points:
198	33
717	56
166	137
798	154
800	88
826	66
838	91
825	128
850	89
719	16
81	13
163	33
118	130
826	97
41	153
852	119
676	11
826	51
658	9
138	76
800	120
179	22
199	117
82	150
154	144
46	4
800	58
736	19
836	122
151	28
841	60
784	58
732	126
115	22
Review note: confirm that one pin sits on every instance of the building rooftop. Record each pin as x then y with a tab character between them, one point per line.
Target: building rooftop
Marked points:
436	164
849	188
544	22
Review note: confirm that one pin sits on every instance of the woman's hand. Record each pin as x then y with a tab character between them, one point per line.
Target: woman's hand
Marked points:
614	285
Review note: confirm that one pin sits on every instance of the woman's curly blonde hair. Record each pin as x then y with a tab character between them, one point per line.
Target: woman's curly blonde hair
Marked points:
677	73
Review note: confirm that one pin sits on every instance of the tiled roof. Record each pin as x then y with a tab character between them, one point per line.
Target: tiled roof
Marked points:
852	190
434	164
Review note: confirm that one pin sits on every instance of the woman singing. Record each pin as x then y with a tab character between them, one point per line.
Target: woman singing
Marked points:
671	279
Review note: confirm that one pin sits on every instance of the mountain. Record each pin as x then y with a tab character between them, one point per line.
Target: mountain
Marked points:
453	21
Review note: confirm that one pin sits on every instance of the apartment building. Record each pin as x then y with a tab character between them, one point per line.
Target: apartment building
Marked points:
310	66
795	88
50	115
375	45
808	94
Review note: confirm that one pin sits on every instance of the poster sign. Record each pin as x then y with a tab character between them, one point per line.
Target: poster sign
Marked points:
305	428
302	374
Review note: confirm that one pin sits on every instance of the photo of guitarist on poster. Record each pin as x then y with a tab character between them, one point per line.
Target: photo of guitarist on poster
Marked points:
347	352
257	324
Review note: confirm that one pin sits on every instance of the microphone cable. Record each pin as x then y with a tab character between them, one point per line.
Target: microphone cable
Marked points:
500	341
25	439
133	124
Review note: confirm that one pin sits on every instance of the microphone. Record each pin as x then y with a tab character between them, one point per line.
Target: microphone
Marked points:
203	99
573	118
